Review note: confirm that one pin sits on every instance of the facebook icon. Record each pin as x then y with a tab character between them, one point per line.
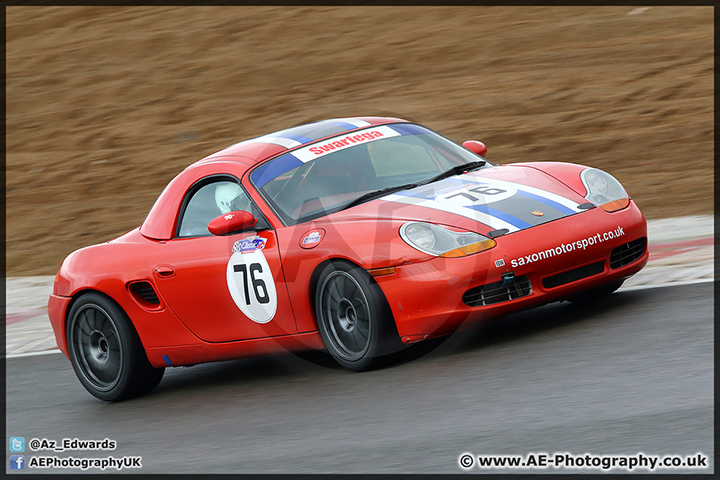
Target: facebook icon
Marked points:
17	462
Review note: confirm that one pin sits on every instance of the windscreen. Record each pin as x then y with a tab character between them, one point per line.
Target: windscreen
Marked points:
320	178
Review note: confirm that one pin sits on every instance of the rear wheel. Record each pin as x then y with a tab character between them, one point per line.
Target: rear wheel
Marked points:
353	317
105	351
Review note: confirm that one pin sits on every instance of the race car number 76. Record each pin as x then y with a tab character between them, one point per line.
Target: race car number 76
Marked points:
482	190
258	283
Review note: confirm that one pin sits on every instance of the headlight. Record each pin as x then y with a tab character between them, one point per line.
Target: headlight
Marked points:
604	190
441	242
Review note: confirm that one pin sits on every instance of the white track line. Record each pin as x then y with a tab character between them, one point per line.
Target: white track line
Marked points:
663	285
33	354
621	289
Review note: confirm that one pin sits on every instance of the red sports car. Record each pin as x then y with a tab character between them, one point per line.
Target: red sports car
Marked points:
355	235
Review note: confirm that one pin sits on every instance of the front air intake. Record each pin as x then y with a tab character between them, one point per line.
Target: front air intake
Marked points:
497	292
627	253
573	275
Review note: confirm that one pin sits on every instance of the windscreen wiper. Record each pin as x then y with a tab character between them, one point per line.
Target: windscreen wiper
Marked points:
377	193
457	170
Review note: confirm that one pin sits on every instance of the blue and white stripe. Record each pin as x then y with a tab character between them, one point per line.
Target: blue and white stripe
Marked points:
289	138
487	213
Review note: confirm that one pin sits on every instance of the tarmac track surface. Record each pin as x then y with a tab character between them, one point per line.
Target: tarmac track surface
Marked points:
633	374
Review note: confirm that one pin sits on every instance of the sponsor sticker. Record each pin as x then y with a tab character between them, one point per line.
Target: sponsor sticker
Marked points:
314	237
249	244
565	248
342	142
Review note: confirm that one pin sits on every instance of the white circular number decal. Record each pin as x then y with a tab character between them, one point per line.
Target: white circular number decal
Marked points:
251	285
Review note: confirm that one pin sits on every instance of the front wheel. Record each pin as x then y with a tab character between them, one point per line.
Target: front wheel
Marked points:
353	317
105	351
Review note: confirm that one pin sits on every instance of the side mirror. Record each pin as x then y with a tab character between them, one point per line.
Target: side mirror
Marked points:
231	222
475	146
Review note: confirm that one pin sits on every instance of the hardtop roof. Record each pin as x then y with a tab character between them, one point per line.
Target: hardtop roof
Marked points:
255	150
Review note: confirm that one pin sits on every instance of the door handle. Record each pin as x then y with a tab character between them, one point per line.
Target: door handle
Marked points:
165	271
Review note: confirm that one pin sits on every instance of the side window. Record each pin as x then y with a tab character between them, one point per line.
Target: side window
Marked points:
208	202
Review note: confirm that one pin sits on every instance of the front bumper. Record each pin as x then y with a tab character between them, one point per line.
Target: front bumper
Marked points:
532	267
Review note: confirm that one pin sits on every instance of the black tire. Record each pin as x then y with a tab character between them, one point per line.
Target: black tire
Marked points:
106	352
353	317
596	294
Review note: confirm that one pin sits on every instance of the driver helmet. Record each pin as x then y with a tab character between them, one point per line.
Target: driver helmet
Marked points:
225	195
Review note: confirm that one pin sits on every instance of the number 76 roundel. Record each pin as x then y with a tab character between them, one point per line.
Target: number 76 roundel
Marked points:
250	280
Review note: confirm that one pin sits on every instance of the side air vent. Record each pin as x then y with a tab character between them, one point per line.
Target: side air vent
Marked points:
497	292
573	275
627	253
144	294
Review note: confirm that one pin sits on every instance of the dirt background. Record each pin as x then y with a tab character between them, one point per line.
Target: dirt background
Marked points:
105	105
